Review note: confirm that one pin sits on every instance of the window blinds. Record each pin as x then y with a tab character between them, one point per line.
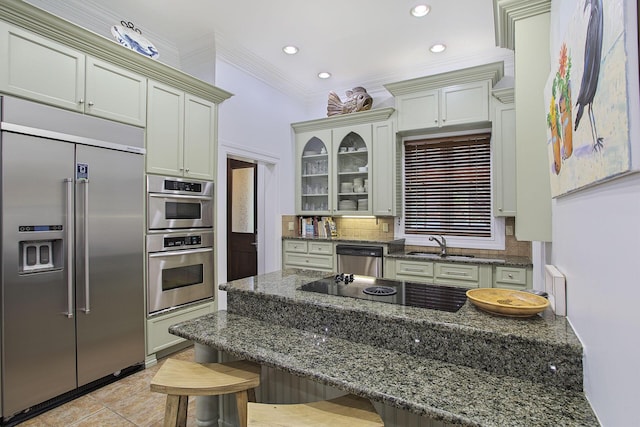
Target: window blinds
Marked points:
448	186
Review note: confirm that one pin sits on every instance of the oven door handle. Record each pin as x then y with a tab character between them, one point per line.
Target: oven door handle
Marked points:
178	196
178	253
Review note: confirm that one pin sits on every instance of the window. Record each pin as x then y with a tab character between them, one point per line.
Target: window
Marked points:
447	187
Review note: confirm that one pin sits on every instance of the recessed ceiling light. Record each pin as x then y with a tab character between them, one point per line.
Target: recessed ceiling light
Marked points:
437	48
290	50
324	75
420	10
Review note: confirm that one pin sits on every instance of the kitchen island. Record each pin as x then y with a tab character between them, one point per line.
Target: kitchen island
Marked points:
463	368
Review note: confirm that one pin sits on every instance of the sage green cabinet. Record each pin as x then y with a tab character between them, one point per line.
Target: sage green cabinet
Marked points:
314	167
504	156
309	255
352	147
448	106
180	133
453	98
45	71
518	278
383	170
336	167
158	336
442	273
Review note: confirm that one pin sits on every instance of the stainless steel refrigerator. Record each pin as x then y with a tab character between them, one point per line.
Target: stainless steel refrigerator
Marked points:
72	252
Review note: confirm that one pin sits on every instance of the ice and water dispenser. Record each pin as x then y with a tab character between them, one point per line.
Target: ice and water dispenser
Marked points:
40	254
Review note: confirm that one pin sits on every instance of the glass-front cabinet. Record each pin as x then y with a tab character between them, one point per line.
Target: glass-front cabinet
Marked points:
352	148
314	169
334	161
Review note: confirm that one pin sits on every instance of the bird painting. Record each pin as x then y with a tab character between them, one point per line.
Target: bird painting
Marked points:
591	70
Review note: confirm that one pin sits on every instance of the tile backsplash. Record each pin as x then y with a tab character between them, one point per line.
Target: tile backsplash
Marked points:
374	228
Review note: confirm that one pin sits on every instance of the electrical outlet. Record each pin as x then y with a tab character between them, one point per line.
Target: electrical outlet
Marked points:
385	227
291	226
509	230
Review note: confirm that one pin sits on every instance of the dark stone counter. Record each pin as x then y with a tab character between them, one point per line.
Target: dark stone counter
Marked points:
468	367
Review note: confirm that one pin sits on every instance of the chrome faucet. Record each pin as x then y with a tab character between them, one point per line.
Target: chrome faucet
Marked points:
442	243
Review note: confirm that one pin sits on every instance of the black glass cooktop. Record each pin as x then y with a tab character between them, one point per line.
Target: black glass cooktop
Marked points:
435	297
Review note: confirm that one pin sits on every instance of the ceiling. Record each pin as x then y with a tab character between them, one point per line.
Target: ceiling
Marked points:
360	42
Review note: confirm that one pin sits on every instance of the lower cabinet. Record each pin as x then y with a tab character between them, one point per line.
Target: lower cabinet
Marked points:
460	274
308	255
443	273
517	278
158	336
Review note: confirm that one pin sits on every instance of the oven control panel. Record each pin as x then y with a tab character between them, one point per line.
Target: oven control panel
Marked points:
173	242
178	241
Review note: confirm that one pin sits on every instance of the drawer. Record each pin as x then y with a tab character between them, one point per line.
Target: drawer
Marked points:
158	336
316	262
295	246
511	275
321	248
414	268
457	274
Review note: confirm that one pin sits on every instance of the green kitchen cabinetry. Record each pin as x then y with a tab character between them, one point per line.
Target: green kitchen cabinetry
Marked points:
459	97
441	273
452	105
336	164
310	255
518	278
503	142
180	133
45	71
158	337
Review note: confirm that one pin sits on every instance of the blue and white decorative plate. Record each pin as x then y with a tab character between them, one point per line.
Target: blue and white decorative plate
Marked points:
130	38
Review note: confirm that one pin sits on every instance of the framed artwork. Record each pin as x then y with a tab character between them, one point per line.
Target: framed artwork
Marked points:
586	95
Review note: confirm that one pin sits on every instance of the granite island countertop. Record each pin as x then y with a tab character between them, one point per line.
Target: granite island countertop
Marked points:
468	367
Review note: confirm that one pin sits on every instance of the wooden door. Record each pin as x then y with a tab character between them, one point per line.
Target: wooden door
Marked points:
242	254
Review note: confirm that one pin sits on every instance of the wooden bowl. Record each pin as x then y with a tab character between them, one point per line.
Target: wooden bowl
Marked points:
507	302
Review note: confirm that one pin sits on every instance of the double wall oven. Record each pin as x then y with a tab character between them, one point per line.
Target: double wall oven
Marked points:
179	242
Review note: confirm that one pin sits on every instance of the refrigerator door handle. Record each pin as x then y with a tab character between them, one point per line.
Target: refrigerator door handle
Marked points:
87	308
69	185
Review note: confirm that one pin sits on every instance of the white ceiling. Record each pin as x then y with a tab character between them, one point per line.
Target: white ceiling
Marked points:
361	42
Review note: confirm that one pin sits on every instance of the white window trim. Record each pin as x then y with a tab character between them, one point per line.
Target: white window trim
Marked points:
497	239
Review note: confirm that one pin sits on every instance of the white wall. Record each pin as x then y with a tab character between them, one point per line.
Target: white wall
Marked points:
596	244
255	124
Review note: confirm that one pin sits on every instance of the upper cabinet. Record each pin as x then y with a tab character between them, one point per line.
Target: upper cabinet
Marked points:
50	60
180	133
455	98
503	140
335	164
452	105
52	73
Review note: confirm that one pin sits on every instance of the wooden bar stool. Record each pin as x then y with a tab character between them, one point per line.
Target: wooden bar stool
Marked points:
179	379
345	411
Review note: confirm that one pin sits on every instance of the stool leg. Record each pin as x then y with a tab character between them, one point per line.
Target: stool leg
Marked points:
241	402
182	411
252	395
175	414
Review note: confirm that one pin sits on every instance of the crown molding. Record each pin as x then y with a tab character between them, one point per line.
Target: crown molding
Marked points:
505	95
507	12
361	117
493	72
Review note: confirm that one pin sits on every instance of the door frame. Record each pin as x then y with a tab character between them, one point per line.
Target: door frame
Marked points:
268	215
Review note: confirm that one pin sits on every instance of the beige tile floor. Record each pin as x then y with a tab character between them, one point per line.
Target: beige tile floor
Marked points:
125	403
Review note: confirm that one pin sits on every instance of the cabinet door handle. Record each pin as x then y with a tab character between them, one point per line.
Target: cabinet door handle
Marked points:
90	103
510	276
81	101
